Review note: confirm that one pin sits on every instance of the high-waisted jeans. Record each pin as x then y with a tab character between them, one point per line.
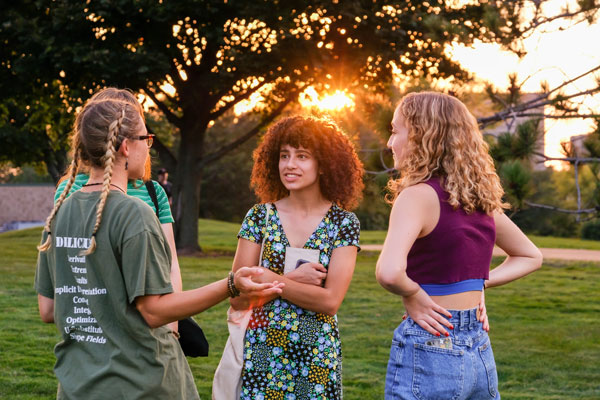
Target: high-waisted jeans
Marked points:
422	366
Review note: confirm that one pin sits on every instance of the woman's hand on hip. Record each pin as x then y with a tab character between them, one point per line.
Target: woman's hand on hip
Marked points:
426	313
482	313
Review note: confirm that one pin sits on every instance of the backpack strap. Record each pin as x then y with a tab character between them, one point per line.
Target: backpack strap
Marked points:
152	192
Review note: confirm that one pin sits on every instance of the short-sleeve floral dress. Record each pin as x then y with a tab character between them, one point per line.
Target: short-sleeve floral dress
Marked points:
291	353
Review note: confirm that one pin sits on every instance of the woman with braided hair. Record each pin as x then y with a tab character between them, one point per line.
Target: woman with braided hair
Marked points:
137	188
103	272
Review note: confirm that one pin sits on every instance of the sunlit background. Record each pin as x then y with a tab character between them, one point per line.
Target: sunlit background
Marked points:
559	52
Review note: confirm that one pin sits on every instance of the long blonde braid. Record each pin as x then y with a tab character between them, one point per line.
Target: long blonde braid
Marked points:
114	130
72	174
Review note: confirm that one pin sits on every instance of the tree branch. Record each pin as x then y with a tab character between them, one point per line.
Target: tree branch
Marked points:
214	116
521	108
171	117
580	160
537	22
562	210
164	152
597	67
228	147
538	101
566	116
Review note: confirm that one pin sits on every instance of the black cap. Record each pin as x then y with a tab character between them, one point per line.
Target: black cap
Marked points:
162	171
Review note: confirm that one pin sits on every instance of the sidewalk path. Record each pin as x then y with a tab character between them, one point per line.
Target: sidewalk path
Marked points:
550	254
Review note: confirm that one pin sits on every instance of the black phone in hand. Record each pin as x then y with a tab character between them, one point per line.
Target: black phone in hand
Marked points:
300	262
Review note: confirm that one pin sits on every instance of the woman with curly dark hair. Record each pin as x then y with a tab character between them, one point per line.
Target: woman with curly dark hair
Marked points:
306	173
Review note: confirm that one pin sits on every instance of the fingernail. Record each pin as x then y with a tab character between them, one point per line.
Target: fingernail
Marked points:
437	334
451	327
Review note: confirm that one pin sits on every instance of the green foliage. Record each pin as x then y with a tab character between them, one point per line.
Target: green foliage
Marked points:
546	222
526	139
30	173
591	230
552	188
591	145
515	179
520	145
217	53
34	127
526	337
227	195
374	212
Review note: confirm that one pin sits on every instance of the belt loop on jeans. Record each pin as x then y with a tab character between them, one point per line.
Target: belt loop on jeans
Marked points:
472	318
463	318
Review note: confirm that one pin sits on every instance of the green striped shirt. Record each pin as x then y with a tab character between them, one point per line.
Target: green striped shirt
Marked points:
164	210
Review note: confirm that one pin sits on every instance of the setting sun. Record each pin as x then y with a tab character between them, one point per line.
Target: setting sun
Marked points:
328	102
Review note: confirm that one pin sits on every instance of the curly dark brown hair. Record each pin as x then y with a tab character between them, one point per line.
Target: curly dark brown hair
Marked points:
340	169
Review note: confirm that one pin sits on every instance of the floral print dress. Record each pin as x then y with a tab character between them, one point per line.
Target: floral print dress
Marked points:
291	353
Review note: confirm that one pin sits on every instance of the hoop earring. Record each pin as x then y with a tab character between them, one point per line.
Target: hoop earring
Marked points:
126	163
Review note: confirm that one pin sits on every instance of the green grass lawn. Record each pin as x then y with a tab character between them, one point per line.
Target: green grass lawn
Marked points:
545	328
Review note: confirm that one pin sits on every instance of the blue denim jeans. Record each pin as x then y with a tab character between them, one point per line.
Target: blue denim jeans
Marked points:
419	369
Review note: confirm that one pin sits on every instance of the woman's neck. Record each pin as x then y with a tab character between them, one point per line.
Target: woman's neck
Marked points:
119	179
305	202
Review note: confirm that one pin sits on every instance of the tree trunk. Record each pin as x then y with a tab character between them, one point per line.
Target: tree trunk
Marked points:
187	194
56	164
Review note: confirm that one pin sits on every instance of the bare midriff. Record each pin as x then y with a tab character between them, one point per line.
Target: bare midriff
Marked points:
458	301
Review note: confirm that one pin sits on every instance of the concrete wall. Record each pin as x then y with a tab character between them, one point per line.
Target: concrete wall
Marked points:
25	202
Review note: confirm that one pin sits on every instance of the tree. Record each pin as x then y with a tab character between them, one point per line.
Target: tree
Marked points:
217	54
511	149
35	132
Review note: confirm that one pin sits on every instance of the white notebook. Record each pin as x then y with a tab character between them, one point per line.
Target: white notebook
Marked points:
293	254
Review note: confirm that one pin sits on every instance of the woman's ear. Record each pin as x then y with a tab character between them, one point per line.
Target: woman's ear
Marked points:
124	148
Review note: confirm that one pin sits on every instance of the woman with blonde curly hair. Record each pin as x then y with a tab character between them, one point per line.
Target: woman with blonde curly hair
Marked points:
447	215
306	173
103	271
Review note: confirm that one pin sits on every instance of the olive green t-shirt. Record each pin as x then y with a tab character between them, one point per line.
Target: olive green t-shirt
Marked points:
107	350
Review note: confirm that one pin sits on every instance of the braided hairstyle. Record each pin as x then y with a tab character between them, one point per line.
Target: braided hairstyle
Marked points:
99	129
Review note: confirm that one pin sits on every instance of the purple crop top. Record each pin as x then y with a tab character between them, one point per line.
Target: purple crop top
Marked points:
455	257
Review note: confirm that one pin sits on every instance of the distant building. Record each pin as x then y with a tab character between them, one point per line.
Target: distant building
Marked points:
577	144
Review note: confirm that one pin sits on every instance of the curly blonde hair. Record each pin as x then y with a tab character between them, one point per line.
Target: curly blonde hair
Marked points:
444	141
341	171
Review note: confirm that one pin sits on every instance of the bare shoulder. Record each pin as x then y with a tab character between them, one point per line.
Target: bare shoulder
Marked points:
420	195
501	220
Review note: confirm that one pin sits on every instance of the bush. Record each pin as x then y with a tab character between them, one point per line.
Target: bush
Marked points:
591	230
373	212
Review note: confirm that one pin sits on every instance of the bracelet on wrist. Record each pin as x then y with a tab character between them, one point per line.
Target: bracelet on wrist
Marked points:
233	291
